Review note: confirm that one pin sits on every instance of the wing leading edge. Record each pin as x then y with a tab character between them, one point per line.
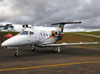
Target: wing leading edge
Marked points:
68	44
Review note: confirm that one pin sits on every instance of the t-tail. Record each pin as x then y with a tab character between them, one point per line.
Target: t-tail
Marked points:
61	24
59	32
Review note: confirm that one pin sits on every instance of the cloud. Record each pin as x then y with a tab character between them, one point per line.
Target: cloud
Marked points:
40	12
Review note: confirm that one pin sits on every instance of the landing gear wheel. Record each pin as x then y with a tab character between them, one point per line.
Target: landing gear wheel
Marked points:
16	53
58	50
33	48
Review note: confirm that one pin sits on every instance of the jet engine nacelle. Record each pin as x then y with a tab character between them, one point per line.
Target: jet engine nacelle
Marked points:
56	33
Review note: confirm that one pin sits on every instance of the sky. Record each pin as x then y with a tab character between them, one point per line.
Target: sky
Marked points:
40	12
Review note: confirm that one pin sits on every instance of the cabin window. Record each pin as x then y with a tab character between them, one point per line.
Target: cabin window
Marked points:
41	34
49	34
44	34
24	33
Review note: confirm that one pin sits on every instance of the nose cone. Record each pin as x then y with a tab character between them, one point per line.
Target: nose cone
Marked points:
6	43
3	44
9	42
15	41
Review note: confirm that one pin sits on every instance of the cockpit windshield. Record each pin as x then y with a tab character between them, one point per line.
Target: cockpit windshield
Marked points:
24	33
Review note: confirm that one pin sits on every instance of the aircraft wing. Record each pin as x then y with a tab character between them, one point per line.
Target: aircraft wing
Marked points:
69	44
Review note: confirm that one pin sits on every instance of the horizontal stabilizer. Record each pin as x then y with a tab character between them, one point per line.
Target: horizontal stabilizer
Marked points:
67	23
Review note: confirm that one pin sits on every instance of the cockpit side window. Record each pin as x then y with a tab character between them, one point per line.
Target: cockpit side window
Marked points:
24	33
31	33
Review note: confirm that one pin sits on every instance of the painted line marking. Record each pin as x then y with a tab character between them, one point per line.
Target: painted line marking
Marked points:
45	66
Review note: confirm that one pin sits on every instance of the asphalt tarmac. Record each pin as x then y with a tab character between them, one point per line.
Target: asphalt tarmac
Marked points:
47	61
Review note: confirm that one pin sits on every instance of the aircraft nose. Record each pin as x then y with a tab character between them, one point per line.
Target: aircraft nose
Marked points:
2	44
6	43
14	41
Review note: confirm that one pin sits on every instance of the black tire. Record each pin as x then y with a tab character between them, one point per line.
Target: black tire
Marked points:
16	54
32	49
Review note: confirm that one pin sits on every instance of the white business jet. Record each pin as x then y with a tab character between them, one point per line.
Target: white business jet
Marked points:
40	38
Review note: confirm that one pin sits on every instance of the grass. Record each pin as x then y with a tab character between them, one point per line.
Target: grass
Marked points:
2	34
92	33
73	38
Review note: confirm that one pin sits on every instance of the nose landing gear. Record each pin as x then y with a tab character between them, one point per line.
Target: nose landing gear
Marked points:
33	48
17	53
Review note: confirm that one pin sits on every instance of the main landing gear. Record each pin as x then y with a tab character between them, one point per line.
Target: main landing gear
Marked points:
17	53
58	50
33	48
